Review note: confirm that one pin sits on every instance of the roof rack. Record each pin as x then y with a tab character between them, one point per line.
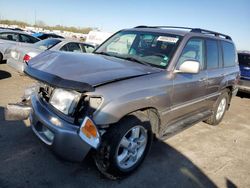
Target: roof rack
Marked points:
204	31
170	27
195	30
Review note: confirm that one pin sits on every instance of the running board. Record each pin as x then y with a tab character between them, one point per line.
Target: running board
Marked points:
175	128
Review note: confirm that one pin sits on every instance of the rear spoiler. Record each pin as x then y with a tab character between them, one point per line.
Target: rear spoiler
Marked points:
57	81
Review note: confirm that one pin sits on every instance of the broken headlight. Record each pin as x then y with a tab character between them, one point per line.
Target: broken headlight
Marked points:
64	100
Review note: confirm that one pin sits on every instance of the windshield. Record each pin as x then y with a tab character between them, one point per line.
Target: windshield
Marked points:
154	49
46	44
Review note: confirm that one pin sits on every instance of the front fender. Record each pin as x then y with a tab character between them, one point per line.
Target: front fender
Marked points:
113	111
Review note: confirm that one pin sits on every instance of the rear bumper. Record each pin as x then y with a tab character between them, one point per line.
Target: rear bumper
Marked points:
61	136
244	86
19	66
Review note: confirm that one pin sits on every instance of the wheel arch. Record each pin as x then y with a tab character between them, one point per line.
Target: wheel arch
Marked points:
151	112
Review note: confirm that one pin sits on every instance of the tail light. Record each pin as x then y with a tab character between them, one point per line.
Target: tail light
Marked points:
26	58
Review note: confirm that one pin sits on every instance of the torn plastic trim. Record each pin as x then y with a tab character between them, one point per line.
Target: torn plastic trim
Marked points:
57	81
19	111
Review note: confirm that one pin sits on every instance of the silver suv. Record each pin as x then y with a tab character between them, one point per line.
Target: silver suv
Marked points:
140	83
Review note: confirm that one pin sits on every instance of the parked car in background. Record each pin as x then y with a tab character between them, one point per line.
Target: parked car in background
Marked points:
17	56
43	36
9	38
97	37
14	29
244	62
140	83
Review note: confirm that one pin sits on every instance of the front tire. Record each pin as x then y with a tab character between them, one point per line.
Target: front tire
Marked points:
124	146
219	109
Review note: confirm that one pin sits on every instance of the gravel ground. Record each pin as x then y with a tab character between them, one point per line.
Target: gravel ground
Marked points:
201	156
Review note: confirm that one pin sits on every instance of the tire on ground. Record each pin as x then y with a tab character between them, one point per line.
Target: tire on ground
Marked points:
105	156
212	120
1	57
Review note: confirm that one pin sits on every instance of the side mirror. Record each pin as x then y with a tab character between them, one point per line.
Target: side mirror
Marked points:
189	66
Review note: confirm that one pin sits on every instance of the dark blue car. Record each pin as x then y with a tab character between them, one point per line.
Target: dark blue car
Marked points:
244	61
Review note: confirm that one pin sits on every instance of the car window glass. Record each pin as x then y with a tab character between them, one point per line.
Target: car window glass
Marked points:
228	54
212	54
64	48
193	50
121	44
46	44
9	36
74	47
154	49
87	48
244	59
27	39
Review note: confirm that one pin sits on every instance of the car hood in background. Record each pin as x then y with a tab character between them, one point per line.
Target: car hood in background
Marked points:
83	72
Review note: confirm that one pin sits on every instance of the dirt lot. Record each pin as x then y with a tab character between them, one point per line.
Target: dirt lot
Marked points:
202	156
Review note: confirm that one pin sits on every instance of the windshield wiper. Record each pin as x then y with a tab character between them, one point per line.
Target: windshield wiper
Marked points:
126	58
135	60
103	53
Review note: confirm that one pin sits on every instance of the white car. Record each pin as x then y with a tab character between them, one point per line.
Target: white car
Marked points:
9	38
18	57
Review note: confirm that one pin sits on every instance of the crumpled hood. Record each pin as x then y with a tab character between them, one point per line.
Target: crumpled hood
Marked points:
89	69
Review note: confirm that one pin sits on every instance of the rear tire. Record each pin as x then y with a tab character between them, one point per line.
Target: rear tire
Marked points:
220	107
124	146
1	58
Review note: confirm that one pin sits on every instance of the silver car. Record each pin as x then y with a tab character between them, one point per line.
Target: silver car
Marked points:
141	82
18	56
9	38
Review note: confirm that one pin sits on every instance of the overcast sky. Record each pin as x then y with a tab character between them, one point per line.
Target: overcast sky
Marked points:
231	17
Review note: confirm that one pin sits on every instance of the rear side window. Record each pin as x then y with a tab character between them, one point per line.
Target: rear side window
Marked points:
71	47
46	44
228	54
27	39
212	54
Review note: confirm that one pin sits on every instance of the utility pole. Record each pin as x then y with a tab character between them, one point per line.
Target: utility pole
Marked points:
35	17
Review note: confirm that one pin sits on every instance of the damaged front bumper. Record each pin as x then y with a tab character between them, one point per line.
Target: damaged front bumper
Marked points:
66	139
59	135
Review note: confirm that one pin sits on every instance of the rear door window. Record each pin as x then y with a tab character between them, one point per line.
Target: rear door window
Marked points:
212	54
229	54
64	48
71	47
